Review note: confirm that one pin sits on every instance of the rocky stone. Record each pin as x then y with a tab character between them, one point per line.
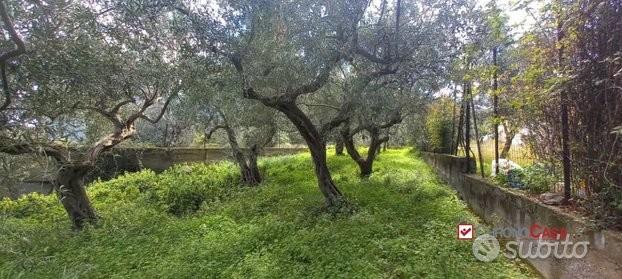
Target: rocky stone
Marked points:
552	198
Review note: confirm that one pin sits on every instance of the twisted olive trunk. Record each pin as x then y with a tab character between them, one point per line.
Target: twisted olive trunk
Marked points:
70	178
365	164
339	147
249	171
252	164
72	194
317	147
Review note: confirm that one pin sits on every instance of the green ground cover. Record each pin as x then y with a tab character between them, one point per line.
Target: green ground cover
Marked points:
196	222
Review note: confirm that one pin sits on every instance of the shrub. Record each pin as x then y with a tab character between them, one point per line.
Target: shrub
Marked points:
606	207
33	204
180	193
127	187
515	178
538	178
438	126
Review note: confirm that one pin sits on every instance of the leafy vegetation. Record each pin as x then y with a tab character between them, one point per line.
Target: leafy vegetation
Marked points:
439	126
538	178
196	220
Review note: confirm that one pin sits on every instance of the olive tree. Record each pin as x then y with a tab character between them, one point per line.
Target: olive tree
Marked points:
284	52
86	66
281	51
248	125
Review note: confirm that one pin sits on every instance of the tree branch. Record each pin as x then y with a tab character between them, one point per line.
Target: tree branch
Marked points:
5	88
162	111
208	133
321	79
395	119
112	116
342	116
8	25
56	152
320	105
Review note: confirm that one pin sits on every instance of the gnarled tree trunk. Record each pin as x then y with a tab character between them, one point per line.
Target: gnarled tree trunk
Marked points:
339	146
317	147
252	163
249	171
72	194
365	164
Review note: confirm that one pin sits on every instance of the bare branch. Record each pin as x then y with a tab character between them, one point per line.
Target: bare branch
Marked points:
321	79
208	133
8	25
162	111
59	153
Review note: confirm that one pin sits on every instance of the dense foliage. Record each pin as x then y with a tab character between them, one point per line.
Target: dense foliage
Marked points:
553	87
440	126
403	226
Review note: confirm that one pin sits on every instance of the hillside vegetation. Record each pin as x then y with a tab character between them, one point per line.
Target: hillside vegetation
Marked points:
194	221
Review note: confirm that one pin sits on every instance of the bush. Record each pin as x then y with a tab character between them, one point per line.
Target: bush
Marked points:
181	193
438	126
606	208
174	190
30	205
538	178
127	187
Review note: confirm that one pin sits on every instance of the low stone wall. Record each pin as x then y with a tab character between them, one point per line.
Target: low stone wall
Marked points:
505	208
160	159
121	160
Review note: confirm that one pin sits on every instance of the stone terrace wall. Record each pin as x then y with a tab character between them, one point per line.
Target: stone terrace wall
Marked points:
121	160
504	208
160	159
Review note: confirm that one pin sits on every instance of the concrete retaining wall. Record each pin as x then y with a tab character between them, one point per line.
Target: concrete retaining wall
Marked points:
121	160
160	159
504	208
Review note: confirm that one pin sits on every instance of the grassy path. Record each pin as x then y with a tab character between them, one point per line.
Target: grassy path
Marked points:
403	226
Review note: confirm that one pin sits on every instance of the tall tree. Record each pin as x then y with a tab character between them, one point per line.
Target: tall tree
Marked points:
248	125
82	68
497	37
280	57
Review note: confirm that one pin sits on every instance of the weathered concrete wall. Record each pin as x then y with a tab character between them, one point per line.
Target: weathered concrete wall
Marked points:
504	208
160	159
121	160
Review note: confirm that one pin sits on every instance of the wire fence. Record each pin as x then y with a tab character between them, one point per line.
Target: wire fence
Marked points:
521	155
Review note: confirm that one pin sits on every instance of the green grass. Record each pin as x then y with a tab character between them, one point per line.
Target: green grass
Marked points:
194	222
